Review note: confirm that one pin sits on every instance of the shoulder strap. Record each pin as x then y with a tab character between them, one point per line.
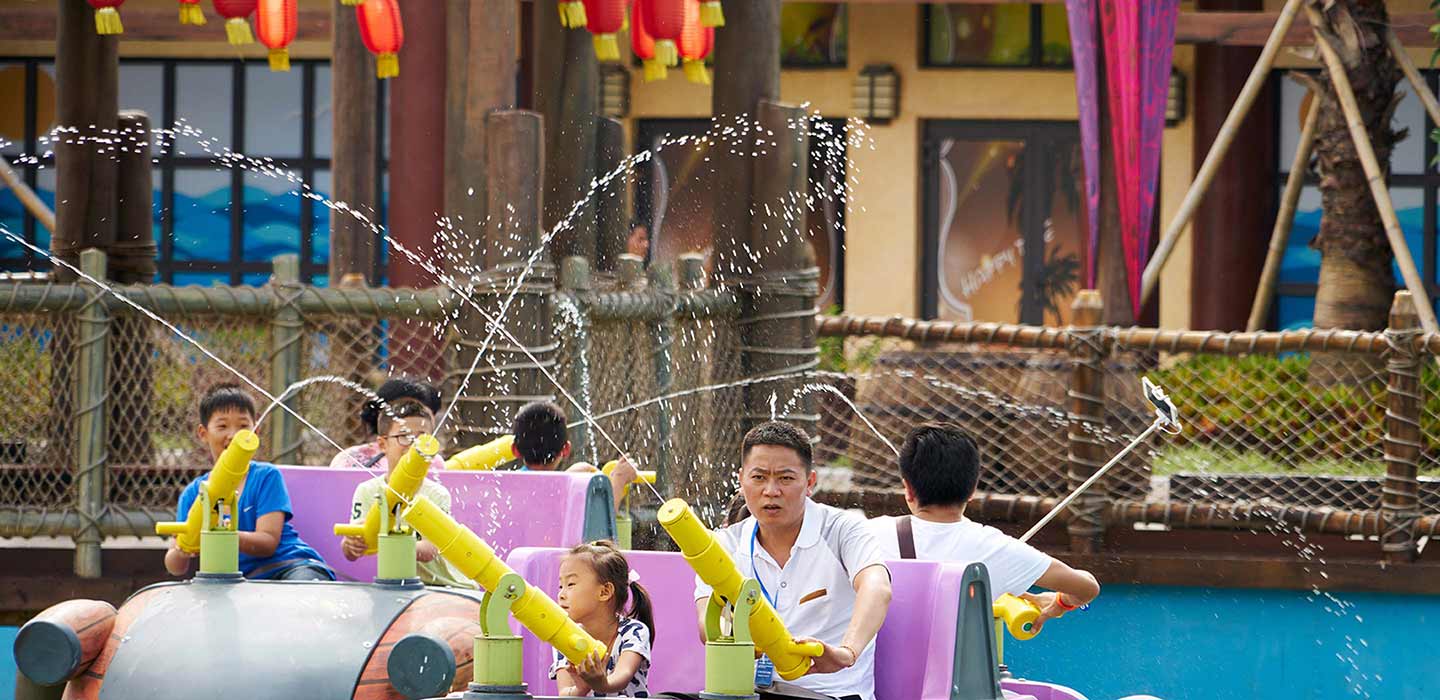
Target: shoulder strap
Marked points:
906	534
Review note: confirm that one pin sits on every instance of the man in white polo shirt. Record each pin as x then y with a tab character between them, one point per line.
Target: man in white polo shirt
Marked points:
820	567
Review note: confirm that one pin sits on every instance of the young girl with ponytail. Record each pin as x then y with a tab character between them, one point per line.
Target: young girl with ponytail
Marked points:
599	591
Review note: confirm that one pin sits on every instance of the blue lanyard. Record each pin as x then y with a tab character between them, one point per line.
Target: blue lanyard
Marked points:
756	572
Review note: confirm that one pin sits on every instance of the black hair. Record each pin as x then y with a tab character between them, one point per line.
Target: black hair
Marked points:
395	391
778	434
540	434
404	409
611	567
941	462
227	396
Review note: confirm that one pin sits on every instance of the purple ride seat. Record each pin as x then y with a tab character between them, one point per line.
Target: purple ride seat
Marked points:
507	509
924	611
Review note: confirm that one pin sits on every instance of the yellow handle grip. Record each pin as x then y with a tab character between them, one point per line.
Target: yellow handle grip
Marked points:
169	528
350	530
815	649
644	477
1019	616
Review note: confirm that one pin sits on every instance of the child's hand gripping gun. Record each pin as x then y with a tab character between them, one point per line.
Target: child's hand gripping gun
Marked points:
715	567
476	560
221	489
404	483
484	457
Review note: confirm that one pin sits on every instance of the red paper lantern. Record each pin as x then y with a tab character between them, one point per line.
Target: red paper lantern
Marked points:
696	41
572	14
383	34
235	12
190	12
711	15
605	19
643	44
107	16
275	22
664	20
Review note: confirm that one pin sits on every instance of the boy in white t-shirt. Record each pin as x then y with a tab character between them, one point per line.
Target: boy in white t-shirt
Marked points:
940	466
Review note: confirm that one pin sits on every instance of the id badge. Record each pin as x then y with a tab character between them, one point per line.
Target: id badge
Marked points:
764	672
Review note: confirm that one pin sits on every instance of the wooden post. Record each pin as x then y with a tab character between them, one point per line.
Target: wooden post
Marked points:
662	336
1400	496
1373	172
778	331
92	389
575	281
1087	421
1253	85
87	80
286	341
567	95
354	98
132	261
747	70
480	66
1280	237
514	149
614	208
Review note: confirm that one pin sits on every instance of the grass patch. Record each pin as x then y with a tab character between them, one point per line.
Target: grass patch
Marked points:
1210	460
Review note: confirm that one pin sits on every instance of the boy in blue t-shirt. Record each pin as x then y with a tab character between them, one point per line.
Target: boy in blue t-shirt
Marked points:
269	547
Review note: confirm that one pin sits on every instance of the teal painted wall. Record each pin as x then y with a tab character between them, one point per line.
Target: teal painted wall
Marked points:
1204	644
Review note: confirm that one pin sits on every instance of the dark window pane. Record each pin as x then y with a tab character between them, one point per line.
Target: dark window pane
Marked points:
1295	312
204	279
12	107
142	87
979	35
203	98
1055	35
323	118
320	234
813	34
273	106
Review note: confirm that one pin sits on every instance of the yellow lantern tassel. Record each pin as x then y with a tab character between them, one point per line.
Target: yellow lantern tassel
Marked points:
625	23
191	13
695	72
711	15
279	59
107	21
572	14
654	70
237	30
387	65
606	47
667	52
352	3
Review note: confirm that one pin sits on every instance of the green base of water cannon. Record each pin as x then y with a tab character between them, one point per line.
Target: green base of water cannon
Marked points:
489	692
498	664
624	531
729	670
219	554
395	561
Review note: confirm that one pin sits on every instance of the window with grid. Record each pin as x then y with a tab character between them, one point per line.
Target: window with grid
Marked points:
995	35
1414	185
213	224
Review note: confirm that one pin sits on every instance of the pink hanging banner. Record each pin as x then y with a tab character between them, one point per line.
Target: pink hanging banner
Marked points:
1138	41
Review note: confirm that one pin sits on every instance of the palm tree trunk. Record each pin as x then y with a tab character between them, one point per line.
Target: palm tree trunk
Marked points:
1355	268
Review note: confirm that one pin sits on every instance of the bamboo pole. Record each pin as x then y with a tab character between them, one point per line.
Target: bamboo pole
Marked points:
1223	140
1417	82
1280	236
27	196
1373	173
92	393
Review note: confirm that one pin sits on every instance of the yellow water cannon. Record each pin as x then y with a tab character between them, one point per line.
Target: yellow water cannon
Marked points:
221	488
405	480
484	457
477	561
1018	615
715	567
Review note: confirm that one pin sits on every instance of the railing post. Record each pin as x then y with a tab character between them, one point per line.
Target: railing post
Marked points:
286	334
575	284
662	334
1400	495
92	387
1087	419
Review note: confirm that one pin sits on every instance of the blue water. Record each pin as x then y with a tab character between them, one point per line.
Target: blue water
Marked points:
7	661
1205	644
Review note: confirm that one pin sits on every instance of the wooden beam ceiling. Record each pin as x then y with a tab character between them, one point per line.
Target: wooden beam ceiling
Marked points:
1224	28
